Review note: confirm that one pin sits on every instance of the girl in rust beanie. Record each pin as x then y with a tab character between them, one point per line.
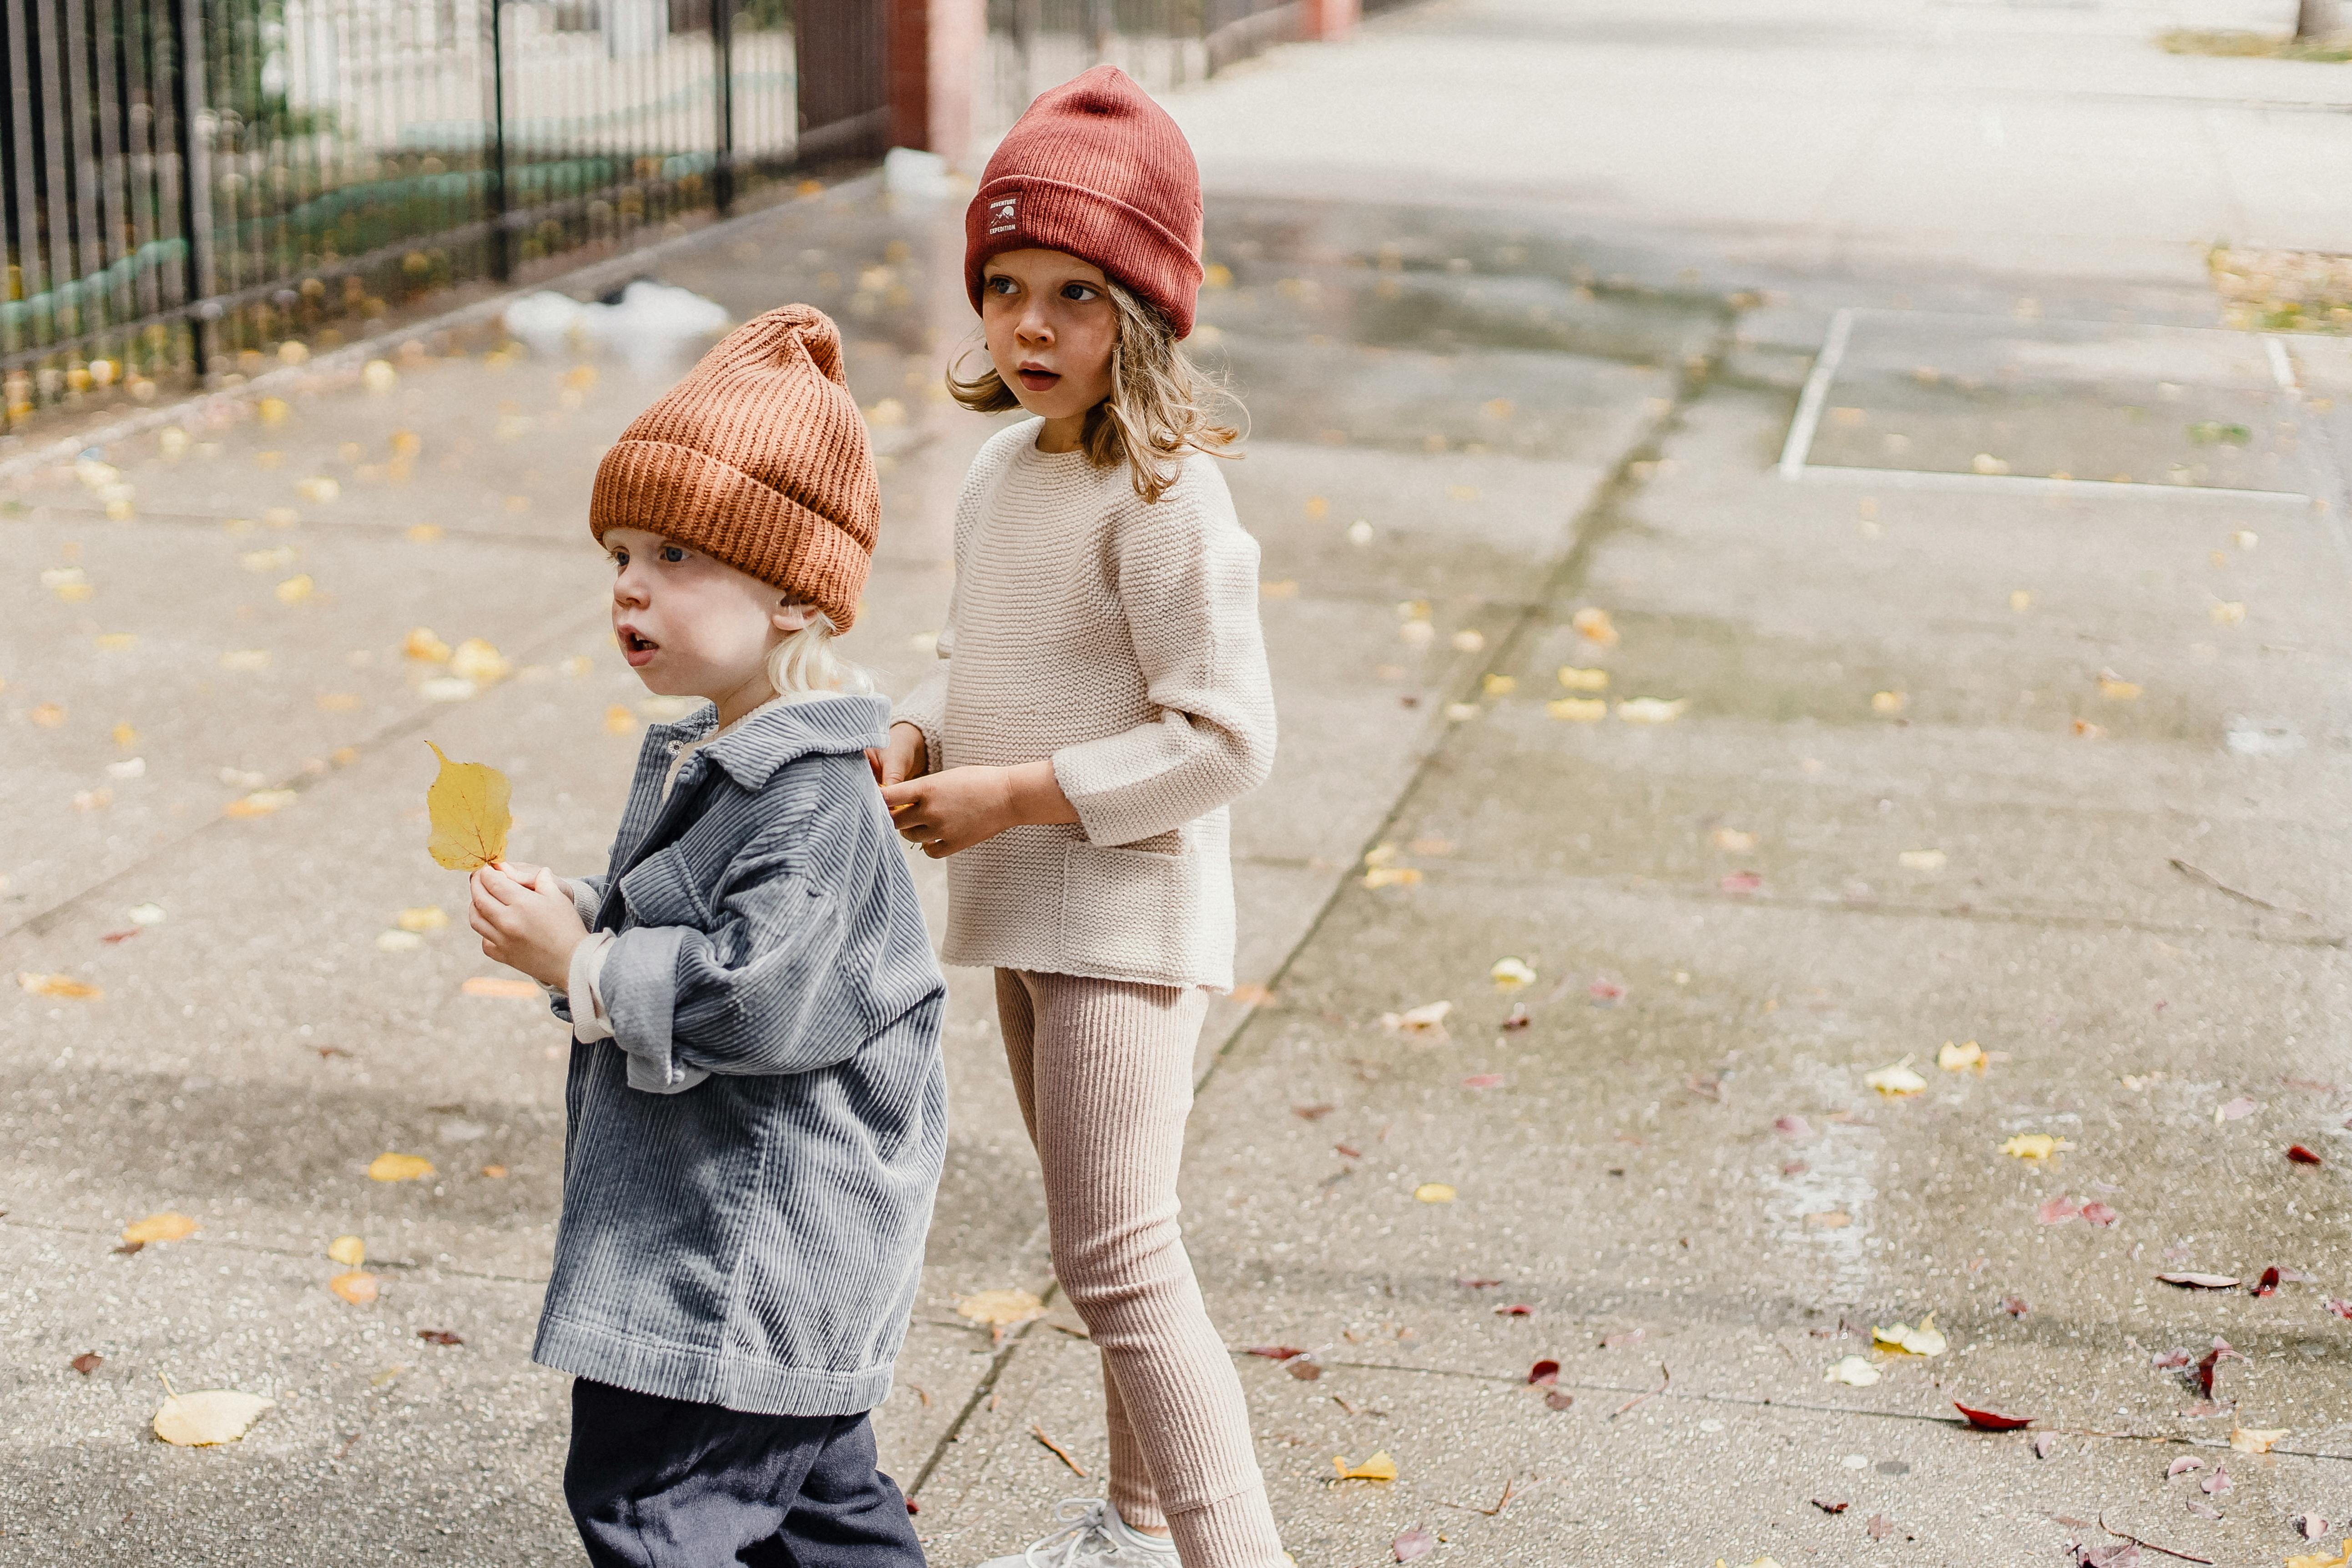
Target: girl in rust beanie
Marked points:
1102	699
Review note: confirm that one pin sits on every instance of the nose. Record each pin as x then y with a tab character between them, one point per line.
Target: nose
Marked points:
1033	327
628	588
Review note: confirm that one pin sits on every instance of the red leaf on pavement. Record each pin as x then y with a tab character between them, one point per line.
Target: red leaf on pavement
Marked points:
1414	1545
1742	882
2341	1309
2301	1155
438	1337
1544	1372
1305	1368
2058	1210
1559	1399
1312	1112
2014	1306
2099	1213
1516	1310
1792	1126
1605	992
2167	1361
2268	1284
1987	1421
119	936
1276	1353
1347	1151
2212	1363
2218	1482
1483	1080
2182	1466
86	1363
1831	1507
1471	1282
913	1507
1519	1018
2200	1282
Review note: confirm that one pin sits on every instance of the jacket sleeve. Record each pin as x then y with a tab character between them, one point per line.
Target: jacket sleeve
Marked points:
587	896
1187	577
767	987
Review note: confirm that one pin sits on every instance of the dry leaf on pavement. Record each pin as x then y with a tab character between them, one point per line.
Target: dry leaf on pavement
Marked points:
1594	625
1855	1372
1428	1020
348	1250
1926	1339
164	1226
2200	1282
1896	1079
1577	679
1987	1421
390	1167
1412	1546
63	986
2342	1558
1510	973
2034	1146
358	1287
1379	1468
427	916
2256	1440
1960	1057
1001	1308
1433	1192
208	1416
467	804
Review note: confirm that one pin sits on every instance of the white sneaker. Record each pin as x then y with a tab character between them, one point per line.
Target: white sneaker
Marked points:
1092	1536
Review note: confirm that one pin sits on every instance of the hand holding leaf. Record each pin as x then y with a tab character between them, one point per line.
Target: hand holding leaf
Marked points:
467	804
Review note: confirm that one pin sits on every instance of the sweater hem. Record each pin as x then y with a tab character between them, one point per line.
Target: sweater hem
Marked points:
701	1375
1052	964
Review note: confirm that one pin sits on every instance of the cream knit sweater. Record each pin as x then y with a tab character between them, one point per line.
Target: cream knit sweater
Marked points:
1121	639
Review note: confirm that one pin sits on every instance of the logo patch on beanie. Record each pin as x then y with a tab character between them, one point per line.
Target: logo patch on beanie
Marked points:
1001	210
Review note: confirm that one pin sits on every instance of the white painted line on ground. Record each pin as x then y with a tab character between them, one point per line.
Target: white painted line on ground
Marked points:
2281	367
1816	393
2027	484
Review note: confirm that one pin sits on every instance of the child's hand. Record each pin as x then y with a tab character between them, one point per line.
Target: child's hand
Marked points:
906	757
944	813
530	926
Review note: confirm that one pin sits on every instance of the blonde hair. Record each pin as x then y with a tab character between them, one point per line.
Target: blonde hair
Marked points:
1159	408
805	664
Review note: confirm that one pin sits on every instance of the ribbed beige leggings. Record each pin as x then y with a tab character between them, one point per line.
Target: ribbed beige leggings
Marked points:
1103	1071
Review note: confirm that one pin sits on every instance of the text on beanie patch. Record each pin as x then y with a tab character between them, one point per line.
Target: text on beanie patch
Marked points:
1001	211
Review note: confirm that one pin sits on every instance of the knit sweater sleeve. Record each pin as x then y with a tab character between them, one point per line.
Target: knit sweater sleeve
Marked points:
1187	585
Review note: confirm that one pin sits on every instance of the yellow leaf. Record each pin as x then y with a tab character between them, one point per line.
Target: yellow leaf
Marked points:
1896	1079
1433	1192
478	661
2115	687
1577	679
1498	685
423	532
619	721
1651	709
1887	702
1379	1468
348	1250
2319	1560
1579	710
1001	1308
125	736
424	647
1392	877
2035	1146
2256	1440
1853	1370
1428	1019
501	987
1733	840
358	1287
467	804
64	985
427	916
1960	1057
1594	625
294	590
389	1167
209	1416
1510	973
164	1226
2021	601
1926	1339
48	715
260	803
2227	613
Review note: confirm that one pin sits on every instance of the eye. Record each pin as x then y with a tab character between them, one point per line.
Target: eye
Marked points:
997	283
620	559
672	554
1080	292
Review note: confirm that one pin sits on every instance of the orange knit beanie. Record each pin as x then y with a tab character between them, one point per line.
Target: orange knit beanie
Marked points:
1097	168
759	458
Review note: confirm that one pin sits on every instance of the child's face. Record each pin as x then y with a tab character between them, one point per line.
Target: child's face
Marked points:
690	626
1051	326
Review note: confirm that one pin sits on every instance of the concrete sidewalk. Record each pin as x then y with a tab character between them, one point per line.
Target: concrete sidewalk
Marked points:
2063	775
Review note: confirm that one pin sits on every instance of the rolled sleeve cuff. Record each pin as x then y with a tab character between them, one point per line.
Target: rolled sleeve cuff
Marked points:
637	984
590	1020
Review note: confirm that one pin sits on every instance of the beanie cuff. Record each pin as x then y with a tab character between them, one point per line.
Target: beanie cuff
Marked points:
698	500
1128	243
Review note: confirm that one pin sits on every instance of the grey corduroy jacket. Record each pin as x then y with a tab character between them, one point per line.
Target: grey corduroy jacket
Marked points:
755	1240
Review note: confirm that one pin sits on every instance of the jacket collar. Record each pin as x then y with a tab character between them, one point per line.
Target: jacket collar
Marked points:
836	724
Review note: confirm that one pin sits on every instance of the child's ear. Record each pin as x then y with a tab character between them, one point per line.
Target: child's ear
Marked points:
792	615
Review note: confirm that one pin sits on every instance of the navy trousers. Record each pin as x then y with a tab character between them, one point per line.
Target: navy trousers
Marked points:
664	1483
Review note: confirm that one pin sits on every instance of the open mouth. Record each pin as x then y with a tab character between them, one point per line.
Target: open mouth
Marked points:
636	647
1037	378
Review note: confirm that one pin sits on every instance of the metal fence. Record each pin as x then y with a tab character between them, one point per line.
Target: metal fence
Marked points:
183	181
1036	44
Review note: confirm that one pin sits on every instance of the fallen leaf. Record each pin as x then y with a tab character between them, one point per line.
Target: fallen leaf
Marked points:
1515	1309
2200	1282
2058	1210
1887	703
1001	1308
164	1226
477	661
427	916
208	1416
1511	973
1577	679
1792	1126
1414	1545
2217	1484
260	803
1853	1370
1276	1353
438	1337
2256	1440
1483	1080
1544	1374
1830	1507
358	1287
502	986
2184	1464
1987	1421
1651	709
2014	1306
424	648
1433	1192
1960	1057
495	1173
2237	1110
348	1250
389	1167
1579	710
1594	625
2268	1284
1380	876
2227	612
1896	1079
2341	1309
2319	1560
86	1363
1428	1019
1379	1468
467	804
61	986
2115	689
2311	1525
1741	882
1830	1219
2208	1368
1926	1339
2200	1511
1312	1112
2034	1146
1559	1399
2301	1155
2099	1213
2043	1443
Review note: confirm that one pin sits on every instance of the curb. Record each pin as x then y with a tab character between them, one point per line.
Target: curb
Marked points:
206	406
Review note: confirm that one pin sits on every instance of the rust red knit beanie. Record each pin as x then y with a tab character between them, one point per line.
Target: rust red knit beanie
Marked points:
759	458
1097	168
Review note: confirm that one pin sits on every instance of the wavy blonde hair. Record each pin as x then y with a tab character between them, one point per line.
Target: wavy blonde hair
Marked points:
805	664
1160	406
